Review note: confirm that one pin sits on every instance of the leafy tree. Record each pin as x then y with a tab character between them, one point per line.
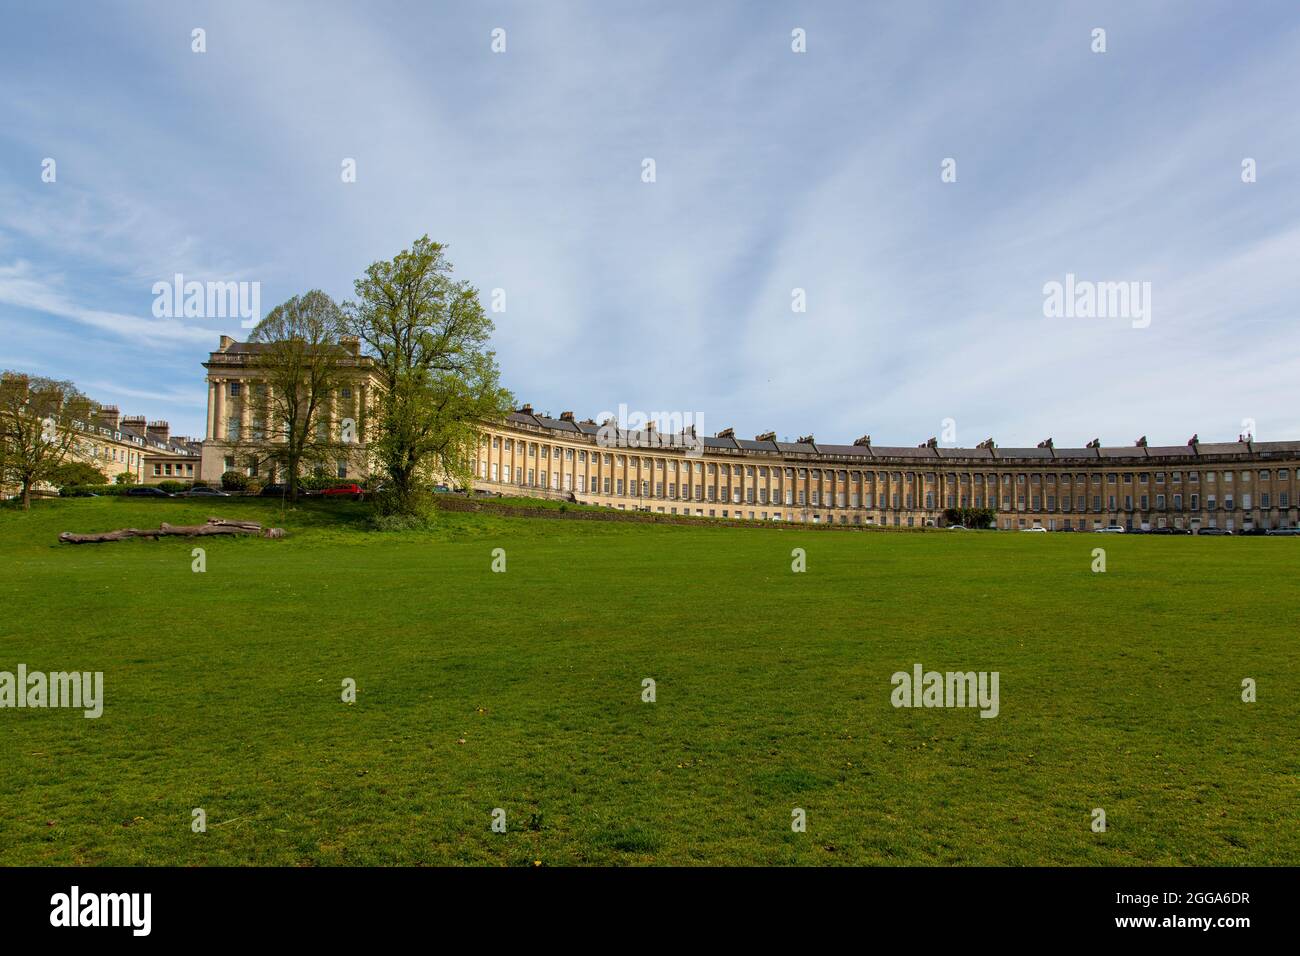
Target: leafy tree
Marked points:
124	478
41	420
77	473
428	334
303	367
970	517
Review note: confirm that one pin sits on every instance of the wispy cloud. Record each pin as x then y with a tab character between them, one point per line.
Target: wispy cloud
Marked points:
22	288
775	171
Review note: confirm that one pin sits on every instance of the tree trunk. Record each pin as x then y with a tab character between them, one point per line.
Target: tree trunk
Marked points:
214	526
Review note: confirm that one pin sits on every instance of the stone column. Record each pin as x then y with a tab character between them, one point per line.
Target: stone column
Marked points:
220	405
245	408
212	410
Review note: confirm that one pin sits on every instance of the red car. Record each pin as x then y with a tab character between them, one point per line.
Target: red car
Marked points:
353	491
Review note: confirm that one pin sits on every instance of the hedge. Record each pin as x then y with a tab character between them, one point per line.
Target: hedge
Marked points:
81	491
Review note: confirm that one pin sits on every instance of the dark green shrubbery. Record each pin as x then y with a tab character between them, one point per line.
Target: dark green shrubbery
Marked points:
970	517
171	487
417	513
234	481
318	482
82	491
77	473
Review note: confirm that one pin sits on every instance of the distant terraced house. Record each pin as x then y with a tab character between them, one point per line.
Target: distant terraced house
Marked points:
145	450
138	447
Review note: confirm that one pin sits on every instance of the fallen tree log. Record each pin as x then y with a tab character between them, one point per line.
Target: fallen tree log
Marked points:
213	526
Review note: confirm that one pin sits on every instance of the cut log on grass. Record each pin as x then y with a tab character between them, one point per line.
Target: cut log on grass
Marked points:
214	526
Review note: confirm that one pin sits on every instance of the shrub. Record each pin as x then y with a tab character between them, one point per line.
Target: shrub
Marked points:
424	521
234	481
970	517
199	484
416	512
124	478
171	487
77	473
253	486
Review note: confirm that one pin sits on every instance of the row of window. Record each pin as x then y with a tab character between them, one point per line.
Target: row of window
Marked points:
259	390
548	481
182	468
619	461
340	469
778	516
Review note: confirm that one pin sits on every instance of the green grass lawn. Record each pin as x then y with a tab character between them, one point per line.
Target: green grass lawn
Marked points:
522	690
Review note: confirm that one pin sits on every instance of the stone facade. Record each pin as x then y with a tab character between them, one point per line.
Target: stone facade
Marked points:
1235	485
232	380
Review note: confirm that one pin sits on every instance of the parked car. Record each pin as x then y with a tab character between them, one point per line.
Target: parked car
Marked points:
353	491
958	527
274	491
1217	532
1283	532
205	492
1039	528
1112	529
147	491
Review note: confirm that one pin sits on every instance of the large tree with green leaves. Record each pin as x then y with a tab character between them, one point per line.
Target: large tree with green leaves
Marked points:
43	423
428	334
303	368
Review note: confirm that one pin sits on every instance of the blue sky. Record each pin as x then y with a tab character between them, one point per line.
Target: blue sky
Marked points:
774	171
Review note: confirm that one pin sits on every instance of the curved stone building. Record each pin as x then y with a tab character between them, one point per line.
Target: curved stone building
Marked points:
1232	485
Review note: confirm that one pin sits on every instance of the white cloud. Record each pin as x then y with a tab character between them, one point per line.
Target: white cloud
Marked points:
22	288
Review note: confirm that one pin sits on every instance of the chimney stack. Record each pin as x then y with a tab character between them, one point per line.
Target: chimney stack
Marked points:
159	432
566	416
110	416
526	410
766	436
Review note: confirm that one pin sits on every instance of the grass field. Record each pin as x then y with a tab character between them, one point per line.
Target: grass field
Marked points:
522	690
